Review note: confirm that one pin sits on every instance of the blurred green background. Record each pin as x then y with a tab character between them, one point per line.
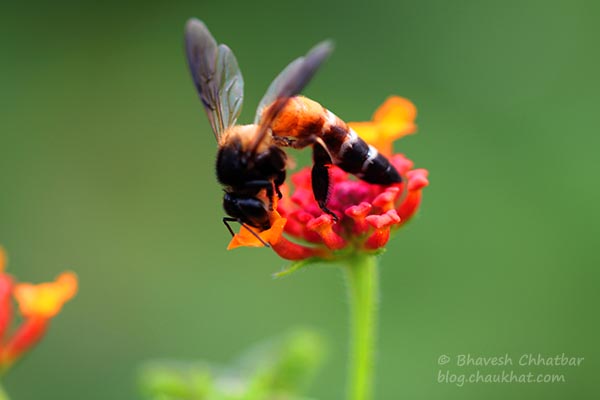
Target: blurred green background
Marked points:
106	168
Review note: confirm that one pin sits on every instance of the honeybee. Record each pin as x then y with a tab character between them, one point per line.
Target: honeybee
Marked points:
251	164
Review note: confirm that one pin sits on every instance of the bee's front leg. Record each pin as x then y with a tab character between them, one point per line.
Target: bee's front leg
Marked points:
271	195
283	141
267	185
295	143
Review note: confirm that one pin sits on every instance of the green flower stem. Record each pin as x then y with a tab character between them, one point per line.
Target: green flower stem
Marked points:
362	277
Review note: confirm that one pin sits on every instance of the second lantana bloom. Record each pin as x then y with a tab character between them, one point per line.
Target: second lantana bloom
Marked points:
37	304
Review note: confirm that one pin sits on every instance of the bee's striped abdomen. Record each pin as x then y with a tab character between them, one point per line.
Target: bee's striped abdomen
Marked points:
300	119
304	122
354	155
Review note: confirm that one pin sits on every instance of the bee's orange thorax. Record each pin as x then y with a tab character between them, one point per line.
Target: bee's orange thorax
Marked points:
300	117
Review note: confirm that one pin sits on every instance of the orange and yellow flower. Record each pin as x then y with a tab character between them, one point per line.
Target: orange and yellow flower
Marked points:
394	119
38	304
367	214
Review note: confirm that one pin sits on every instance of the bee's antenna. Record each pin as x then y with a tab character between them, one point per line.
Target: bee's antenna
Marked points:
226	221
256	235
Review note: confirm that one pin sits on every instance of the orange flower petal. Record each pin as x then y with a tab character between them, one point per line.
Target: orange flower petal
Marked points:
394	119
245	238
371	133
6	286
382	224
323	226
387	199
417	180
359	213
293	251
46	299
368	131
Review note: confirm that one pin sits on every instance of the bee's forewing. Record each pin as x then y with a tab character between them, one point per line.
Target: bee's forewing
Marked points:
216	74
289	83
295	76
275	87
231	85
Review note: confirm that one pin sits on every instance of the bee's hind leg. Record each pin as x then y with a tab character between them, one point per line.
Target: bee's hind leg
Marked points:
320	178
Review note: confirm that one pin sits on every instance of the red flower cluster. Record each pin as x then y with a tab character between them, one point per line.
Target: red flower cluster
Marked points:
37	305
367	213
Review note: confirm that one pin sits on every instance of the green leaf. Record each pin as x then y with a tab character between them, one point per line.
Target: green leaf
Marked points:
295	266
164	380
276	369
286	365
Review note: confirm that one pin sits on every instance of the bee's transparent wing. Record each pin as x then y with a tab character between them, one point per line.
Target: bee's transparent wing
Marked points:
289	83
275	87
295	76
216	74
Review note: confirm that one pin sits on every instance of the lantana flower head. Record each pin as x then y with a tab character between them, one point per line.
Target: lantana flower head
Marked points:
37	304
366	214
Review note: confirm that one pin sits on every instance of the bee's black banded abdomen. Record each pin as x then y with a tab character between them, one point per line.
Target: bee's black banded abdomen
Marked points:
364	161
380	171
353	154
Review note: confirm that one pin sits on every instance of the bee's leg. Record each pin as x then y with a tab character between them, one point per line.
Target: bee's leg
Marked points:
269	186
320	177
255	235
278	182
271	195
282	141
227	220
258	184
272	192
